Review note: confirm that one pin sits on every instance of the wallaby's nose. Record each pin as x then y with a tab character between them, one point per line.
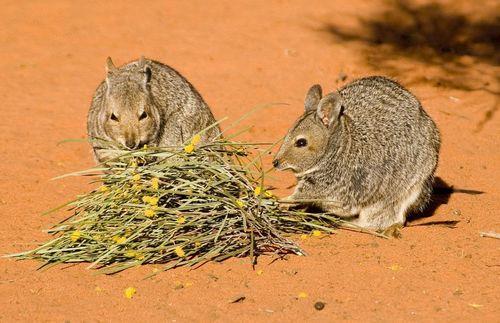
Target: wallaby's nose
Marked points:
130	143
276	163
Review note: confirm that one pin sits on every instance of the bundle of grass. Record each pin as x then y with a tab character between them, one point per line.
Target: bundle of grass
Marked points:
179	206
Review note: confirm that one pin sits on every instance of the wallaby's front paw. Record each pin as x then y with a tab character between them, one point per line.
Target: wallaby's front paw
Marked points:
287	203
394	231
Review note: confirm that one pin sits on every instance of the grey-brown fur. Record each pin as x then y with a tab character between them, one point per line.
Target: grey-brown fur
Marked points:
371	149
146	102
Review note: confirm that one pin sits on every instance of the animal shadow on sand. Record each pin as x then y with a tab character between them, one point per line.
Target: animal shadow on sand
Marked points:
441	195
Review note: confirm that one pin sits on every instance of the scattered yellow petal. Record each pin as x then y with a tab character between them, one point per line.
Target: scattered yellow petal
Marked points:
103	188
178	284
302	295
181	220
149	213
240	203
75	235
98	289
268	194
136	177
189	148
196	139
187	284
316	233
155	270
395	267
180	252
155	183
129	292
476	305
258	190
260	272
303	236
197	244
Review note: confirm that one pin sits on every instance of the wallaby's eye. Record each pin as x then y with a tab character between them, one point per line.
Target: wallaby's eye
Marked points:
113	117
301	142
143	115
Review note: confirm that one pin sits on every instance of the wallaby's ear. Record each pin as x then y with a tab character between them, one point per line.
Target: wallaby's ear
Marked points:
110	67
330	108
146	68
313	97
142	61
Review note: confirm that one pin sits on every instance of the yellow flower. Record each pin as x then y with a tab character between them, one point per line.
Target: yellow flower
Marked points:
103	188
196	139
155	183
130	253
134	254
181	220
316	233
303	236
197	244
240	203
133	164
180	252
136	177
189	148
75	236
152	200
119	240
145	147
302	295
149	213
257	191
129	292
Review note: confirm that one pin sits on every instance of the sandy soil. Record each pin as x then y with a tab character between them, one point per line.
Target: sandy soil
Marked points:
240	54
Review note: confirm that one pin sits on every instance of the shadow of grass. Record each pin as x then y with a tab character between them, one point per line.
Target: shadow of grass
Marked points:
450	42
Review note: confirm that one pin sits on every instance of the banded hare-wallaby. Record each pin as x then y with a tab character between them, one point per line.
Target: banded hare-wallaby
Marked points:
368	151
146	102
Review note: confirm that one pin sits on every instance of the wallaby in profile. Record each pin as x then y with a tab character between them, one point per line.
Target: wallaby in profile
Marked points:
368	152
146	102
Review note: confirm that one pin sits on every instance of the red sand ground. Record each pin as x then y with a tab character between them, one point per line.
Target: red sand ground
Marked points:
239	55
